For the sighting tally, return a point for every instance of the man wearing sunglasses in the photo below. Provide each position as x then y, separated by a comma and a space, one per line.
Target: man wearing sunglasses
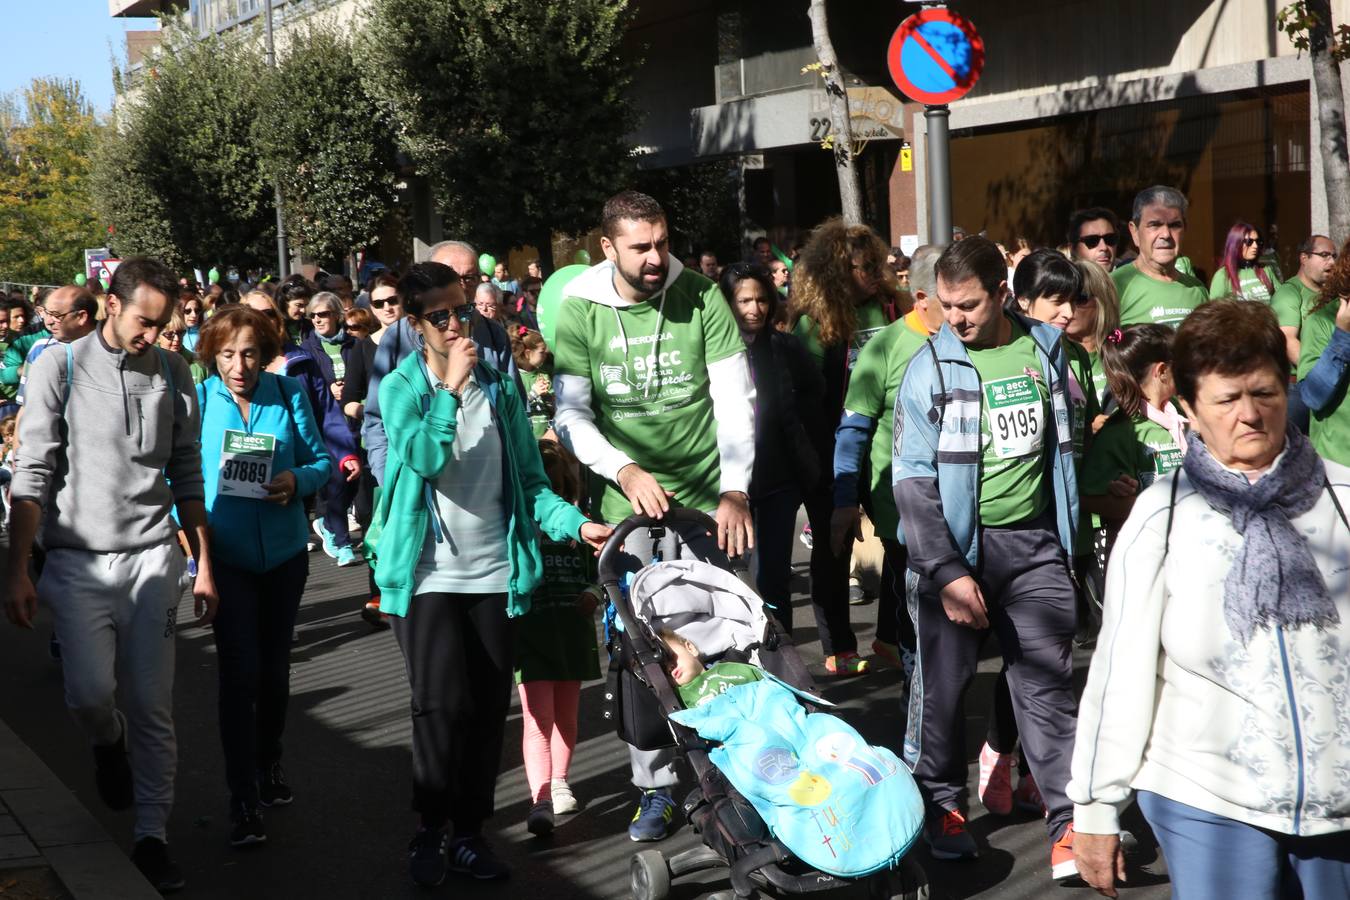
494, 348
1094, 234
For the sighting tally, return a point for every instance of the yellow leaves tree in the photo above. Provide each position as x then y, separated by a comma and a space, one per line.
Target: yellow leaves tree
48, 133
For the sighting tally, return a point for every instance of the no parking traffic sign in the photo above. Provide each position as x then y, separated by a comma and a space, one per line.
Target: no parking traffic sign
936, 56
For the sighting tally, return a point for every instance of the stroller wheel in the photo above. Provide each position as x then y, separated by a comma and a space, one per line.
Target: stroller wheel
649, 875
908, 881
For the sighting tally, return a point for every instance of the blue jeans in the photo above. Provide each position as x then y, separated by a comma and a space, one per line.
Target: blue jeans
1214, 858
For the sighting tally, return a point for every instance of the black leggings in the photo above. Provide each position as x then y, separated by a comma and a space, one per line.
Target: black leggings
458, 650
829, 579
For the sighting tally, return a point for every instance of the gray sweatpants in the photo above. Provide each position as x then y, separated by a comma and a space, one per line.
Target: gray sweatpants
1024, 577
656, 768
115, 615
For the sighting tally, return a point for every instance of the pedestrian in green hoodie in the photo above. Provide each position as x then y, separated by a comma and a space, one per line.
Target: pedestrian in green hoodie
456, 541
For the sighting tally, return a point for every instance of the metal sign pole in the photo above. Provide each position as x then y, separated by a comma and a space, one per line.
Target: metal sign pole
283, 257
939, 175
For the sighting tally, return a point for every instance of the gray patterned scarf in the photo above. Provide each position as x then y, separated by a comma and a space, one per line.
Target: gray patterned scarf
1274, 580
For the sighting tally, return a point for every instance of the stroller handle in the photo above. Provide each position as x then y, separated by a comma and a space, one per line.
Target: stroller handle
687, 523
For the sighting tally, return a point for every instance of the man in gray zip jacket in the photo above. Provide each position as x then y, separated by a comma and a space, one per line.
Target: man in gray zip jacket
104, 491
988, 499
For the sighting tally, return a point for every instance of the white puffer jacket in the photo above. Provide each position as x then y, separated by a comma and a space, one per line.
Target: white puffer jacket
1175, 705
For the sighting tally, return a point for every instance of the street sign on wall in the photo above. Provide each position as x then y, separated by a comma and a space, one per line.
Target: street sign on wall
936, 56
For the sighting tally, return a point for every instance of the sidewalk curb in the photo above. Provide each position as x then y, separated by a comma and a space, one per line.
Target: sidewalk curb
57, 831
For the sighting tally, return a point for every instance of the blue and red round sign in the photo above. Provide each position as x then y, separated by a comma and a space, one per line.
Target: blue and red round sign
936, 56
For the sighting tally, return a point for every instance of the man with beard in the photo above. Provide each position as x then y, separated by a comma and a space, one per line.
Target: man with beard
654, 395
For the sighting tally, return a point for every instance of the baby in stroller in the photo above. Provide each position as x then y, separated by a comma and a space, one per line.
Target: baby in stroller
787, 795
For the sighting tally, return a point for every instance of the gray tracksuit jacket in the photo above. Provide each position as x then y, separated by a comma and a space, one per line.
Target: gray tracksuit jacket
108, 444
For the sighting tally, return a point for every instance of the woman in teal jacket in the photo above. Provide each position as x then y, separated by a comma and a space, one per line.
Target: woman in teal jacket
456, 541
262, 452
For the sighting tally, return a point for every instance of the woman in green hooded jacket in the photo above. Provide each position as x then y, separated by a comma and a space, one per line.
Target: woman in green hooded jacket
456, 540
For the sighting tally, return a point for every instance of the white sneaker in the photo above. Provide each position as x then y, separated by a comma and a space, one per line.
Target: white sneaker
564, 801
352, 524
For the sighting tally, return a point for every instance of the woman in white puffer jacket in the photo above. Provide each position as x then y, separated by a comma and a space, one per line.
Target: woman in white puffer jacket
1219, 692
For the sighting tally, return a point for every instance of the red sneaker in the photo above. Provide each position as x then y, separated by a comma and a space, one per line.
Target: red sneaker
1027, 797
995, 789
1062, 862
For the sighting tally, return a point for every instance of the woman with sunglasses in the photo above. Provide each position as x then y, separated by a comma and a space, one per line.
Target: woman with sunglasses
456, 536
1241, 275
332, 348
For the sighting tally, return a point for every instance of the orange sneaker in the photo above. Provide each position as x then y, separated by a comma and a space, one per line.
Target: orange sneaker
1062, 863
948, 838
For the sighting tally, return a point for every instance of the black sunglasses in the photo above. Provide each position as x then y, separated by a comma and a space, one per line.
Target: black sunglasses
440, 318
381, 304
1091, 241
1247, 242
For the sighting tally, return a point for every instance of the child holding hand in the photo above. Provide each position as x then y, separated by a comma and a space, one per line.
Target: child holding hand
555, 651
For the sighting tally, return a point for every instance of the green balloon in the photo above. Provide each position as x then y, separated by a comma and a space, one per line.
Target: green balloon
81, 279
582, 257
786, 260
104, 282
487, 264
213, 277
551, 300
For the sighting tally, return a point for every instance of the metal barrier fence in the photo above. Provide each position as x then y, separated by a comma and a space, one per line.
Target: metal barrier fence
7, 286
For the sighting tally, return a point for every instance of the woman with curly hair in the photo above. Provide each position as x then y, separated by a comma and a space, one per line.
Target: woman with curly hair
1241, 275
845, 294
1324, 363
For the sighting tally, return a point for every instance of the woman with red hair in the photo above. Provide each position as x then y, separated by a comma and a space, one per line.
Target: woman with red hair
1241, 276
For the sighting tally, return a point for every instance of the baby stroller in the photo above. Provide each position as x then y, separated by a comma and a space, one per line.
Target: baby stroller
642, 697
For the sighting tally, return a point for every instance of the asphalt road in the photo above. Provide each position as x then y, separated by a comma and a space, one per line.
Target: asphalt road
347, 755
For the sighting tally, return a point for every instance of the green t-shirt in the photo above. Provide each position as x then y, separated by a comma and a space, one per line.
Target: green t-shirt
715, 681
1292, 302
539, 399
199, 372
871, 320
1144, 299
871, 392
649, 391
1014, 418
555, 640
334, 352
7, 391
1253, 288
1137, 447
1330, 431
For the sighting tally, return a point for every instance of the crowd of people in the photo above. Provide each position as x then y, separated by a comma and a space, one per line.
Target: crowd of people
1075, 446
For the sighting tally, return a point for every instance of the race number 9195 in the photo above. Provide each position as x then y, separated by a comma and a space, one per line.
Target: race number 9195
1019, 423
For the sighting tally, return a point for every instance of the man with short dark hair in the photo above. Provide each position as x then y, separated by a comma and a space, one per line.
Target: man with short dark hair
985, 485
708, 265
1153, 288
762, 252
654, 396
1094, 234
108, 488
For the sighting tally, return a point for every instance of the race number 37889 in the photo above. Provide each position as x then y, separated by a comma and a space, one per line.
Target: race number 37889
245, 464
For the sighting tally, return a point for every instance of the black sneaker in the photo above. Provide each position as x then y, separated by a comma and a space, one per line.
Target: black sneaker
426, 857
112, 773
272, 787
151, 856
473, 856
248, 830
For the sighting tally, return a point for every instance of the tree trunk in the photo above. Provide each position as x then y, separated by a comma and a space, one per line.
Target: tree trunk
1331, 119
543, 242
841, 128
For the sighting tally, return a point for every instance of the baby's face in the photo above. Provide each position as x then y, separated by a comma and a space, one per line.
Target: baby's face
686, 666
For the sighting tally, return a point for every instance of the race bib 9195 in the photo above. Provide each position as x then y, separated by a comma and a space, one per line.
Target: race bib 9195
245, 464
1016, 409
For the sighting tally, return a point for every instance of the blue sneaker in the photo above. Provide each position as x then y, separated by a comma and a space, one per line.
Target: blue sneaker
347, 556
652, 820
325, 538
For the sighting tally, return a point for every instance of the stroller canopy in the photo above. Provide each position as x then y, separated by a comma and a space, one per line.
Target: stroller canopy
707, 605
